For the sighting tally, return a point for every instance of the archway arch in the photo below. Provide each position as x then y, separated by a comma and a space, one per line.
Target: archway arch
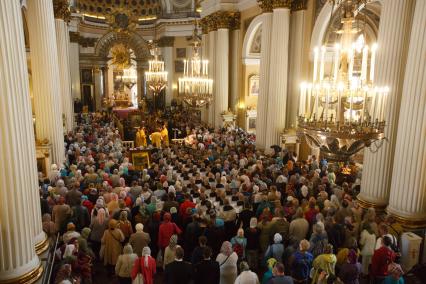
253, 33
134, 41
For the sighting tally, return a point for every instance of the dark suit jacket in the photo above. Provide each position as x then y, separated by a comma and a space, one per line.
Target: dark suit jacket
178, 272
207, 272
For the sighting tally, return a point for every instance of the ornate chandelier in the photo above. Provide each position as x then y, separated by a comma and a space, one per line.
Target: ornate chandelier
195, 87
156, 77
343, 111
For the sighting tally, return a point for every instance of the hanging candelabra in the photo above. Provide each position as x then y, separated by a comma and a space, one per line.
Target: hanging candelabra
343, 111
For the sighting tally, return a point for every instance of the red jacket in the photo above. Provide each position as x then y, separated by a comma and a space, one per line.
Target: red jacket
380, 261
166, 230
184, 207
147, 272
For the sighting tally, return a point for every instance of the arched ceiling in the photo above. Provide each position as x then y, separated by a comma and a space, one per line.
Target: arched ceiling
140, 8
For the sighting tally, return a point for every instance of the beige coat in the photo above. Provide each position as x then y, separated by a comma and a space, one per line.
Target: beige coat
124, 265
138, 241
111, 246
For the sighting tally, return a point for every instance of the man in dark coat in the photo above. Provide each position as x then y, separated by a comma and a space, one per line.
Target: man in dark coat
207, 271
178, 271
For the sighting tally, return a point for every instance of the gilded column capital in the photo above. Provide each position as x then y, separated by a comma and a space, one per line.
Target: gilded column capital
166, 41
266, 5
297, 5
235, 20
211, 22
225, 20
61, 10
281, 4
204, 25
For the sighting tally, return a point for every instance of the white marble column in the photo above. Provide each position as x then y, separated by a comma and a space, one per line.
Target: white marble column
74, 60
299, 44
222, 75
407, 200
110, 80
212, 72
62, 42
277, 96
393, 40
167, 52
99, 90
45, 72
205, 55
262, 102
140, 71
235, 70
19, 202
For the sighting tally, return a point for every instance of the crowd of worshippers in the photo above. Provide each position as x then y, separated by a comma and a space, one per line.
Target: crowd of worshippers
221, 212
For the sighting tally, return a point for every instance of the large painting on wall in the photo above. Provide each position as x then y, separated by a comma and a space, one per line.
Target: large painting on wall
86, 76
253, 85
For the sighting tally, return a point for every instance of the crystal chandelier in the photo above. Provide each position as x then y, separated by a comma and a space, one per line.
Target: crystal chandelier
156, 77
195, 87
343, 111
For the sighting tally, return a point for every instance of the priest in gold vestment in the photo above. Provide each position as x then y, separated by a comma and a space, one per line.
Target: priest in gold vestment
141, 138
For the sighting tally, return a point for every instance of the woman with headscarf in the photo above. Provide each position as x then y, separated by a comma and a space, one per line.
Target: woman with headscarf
111, 243
270, 263
98, 226
125, 226
166, 230
146, 266
276, 249
227, 260
239, 244
48, 225
367, 242
252, 249
349, 272
170, 251
123, 268
246, 276
324, 262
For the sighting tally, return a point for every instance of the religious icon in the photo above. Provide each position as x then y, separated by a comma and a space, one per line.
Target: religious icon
254, 85
252, 123
180, 52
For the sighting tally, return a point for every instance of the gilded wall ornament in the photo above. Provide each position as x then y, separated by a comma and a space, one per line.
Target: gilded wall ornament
297, 5
61, 10
121, 56
266, 5
221, 20
281, 4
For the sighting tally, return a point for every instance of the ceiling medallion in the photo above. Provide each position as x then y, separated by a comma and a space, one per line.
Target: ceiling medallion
122, 20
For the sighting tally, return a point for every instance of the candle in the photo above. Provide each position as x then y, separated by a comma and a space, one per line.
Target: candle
339, 102
315, 63
373, 61
351, 106
322, 63
309, 101
364, 64
351, 63
336, 61
364, 105
302, 99
326, 102
316, 104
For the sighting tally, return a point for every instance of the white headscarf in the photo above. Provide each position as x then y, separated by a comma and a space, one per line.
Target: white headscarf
146, 253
